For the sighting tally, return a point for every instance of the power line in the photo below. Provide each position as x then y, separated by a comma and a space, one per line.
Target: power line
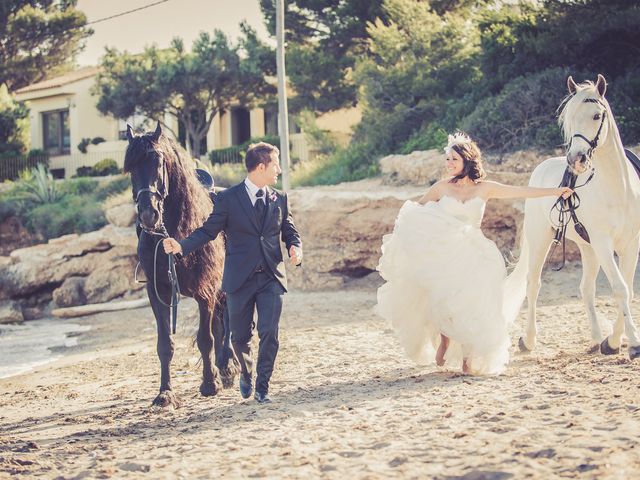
126, 13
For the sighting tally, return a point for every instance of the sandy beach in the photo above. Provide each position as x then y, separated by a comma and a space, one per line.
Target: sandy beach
347, 403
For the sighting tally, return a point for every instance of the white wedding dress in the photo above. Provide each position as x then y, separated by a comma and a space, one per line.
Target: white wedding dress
444, 276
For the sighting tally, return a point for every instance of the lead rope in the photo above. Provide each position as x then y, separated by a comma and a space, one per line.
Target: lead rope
171, 273
566, 209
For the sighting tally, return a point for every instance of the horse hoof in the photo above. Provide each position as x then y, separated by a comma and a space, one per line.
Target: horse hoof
211, 388
228, 376
523, 347
606, 349
634, 352
166, 399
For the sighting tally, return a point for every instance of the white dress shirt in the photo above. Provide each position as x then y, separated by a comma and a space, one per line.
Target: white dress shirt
252, 189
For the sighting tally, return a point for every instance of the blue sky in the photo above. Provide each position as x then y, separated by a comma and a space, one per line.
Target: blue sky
160, 23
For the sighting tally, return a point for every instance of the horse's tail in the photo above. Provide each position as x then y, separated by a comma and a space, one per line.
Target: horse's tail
516, 283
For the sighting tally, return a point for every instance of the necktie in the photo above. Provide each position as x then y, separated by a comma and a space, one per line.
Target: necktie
260, 206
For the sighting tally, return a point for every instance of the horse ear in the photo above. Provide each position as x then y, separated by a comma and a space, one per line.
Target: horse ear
129, 133
601, 85
158, 132
571, 85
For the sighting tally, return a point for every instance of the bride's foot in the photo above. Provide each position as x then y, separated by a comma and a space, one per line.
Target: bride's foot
442, 349
466, 369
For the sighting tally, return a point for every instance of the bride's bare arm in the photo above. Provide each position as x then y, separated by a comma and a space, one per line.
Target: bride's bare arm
500, 190
433, 194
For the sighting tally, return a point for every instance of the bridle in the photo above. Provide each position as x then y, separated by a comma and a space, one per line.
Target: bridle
593, 144
160, 231
566, 208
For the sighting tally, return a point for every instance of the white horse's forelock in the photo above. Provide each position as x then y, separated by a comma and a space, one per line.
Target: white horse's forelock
570, 104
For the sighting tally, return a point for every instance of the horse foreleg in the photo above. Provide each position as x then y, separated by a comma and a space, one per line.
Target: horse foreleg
165, 349
590, 268
604, 251
211, 383
225, 358
628, 262
538, 249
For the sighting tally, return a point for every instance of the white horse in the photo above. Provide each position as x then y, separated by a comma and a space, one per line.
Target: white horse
609, 209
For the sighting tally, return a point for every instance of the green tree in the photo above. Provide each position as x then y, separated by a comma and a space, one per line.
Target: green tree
14, 126
324, 40
38, 38
191, 86
420, 62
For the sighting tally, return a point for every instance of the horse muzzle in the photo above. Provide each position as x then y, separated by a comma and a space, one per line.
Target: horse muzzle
578, 163
149, 218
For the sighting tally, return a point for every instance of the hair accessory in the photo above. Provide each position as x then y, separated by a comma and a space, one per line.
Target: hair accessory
458, 138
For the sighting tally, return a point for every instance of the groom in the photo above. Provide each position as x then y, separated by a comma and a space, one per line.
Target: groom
253, 217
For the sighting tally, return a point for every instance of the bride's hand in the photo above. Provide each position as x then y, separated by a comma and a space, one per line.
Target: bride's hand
565, 192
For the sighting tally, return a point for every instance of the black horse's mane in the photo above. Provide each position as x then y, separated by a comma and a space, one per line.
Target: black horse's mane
186, 206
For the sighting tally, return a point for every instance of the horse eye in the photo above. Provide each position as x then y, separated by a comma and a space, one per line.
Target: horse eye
597, 116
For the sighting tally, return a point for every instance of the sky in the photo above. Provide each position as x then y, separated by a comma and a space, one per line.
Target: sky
160, 23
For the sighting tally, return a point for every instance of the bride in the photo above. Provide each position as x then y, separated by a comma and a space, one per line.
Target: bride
445, 281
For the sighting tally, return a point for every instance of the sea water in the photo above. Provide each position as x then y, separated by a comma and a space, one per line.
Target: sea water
33, 343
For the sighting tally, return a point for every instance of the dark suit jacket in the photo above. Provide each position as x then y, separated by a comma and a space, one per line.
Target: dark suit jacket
247, 245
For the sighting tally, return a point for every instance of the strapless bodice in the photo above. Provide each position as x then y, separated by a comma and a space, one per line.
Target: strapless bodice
469, 211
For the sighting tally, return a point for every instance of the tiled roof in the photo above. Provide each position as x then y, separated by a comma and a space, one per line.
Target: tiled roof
65, 79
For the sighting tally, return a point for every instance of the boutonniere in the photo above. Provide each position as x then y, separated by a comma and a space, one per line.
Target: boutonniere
272, 196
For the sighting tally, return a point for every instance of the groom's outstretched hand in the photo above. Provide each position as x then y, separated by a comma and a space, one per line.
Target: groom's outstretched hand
296, 255
170, 245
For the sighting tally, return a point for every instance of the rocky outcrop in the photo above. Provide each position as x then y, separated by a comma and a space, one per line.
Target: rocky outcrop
96, 266
10, 312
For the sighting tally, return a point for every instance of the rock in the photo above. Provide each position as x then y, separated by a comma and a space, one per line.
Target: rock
70, 293
341, 228
46, 266
121, 215
113, 278
419, 167
13, 235
10, 312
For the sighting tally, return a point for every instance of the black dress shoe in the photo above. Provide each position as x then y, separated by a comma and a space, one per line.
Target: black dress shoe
262, 397
246, 386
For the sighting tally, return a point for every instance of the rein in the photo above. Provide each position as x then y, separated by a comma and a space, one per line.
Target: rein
161, 231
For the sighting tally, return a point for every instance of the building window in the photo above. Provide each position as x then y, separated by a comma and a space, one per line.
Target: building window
240, 125
271, 122
57, 139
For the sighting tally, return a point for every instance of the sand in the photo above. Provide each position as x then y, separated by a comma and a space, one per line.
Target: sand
347, 403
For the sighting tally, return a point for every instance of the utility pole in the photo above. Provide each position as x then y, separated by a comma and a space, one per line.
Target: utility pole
283, 112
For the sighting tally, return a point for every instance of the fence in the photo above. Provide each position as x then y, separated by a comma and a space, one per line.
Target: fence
298, 149
61, 166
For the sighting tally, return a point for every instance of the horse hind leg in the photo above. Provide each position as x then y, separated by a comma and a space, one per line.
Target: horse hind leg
225, 358
628, 262
211, 383
611, 344
590, 269
538, 246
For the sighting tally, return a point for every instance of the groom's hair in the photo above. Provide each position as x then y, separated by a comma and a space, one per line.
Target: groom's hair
259, 153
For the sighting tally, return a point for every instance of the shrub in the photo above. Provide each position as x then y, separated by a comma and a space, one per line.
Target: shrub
228, 174
79, 186
522, 115
72, 214
112, 186
235, 153
106, 166
433, 136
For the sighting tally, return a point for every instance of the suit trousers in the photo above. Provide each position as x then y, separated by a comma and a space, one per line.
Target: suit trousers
261, 292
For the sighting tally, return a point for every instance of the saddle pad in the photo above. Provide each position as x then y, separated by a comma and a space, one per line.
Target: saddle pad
633, 158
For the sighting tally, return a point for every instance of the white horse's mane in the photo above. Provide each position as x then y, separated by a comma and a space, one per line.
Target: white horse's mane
572, 102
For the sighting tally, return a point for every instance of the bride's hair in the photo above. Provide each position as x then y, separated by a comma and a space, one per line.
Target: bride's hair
471, 155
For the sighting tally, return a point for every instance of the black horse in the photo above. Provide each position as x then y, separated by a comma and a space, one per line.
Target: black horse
171, 201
